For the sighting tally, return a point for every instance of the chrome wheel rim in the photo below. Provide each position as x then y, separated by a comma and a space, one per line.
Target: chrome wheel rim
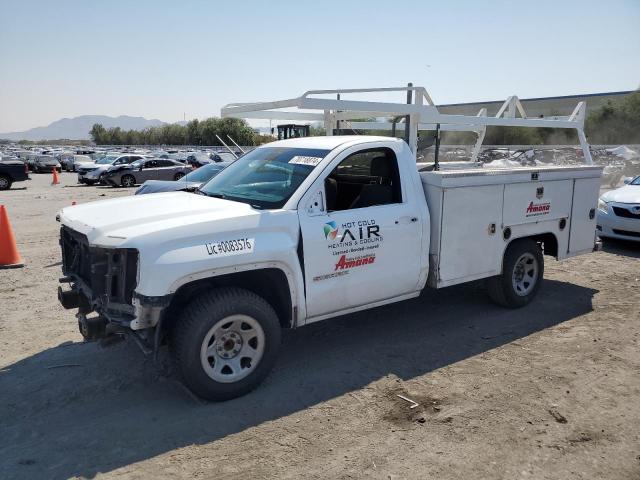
4, 183
127, 182
232, 348
525, 274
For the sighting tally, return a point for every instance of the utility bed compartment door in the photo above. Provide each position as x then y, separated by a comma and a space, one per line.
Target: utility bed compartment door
532, 202
583, 215
470, 232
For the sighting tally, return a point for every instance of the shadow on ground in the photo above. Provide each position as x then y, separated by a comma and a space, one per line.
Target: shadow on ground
621, 247
78, 409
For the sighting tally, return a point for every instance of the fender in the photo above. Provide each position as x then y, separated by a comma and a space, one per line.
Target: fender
294, 278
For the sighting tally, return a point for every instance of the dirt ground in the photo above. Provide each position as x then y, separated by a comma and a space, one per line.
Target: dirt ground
551, 391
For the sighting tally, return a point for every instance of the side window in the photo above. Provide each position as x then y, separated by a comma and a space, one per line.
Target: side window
364, 179
165, 163
151, 164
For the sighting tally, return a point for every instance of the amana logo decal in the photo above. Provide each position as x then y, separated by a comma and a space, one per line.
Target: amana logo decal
535, 209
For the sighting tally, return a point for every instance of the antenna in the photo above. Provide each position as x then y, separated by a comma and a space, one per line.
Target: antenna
222, 142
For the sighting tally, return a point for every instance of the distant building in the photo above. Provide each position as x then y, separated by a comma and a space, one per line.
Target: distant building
536, 107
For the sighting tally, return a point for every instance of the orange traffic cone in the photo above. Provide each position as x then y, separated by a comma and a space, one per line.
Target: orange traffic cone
9, 256
55, 181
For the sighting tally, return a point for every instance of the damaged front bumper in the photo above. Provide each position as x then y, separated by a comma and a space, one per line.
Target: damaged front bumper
103, 280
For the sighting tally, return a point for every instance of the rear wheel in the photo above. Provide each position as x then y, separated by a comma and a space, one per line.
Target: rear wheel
522, 273
225, 343
128, 181
178, 176
5, 182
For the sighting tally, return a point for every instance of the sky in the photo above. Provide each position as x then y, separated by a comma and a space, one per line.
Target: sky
186, 59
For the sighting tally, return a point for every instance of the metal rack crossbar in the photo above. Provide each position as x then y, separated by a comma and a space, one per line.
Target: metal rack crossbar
420, 111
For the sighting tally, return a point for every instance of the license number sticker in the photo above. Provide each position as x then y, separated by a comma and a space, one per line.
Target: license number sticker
225, 248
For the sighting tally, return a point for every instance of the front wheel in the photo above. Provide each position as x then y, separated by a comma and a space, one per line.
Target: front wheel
128, 181
5, 182
522, 273
225, 343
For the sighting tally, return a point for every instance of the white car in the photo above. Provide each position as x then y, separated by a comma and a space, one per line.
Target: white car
91, 173
619, 212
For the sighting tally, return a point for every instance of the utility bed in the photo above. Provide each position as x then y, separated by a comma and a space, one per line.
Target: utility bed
474, 213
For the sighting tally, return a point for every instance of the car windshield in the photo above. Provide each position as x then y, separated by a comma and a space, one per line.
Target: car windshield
265, 177
203, 174
226, 156
635, 181
107, 159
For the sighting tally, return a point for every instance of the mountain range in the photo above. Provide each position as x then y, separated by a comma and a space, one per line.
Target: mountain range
78, 128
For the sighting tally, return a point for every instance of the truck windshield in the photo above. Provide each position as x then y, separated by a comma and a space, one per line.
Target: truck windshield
265, 177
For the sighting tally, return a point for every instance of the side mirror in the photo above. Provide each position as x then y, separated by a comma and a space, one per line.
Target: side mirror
141, 167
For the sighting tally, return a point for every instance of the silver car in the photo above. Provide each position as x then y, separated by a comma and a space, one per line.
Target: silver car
146, 169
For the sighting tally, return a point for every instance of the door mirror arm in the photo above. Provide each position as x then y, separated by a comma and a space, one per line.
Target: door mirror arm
316, 204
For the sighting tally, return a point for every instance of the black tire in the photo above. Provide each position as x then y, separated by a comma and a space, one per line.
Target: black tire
125, 179
178, 176
90, 182
5, 182
196, 322
526, 255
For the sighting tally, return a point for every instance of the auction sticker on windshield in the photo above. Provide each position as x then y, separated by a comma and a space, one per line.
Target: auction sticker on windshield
302, 160
225, 248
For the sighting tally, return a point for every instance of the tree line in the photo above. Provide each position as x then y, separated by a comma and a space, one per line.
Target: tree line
195, 132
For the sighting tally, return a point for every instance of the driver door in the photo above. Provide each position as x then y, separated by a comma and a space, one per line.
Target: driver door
359, 250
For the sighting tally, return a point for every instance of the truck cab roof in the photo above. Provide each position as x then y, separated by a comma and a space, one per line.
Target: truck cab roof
328, 143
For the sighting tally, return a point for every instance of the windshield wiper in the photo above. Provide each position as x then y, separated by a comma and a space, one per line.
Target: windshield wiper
215, 195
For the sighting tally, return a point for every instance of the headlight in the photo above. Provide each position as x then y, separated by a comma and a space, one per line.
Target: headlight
603, 206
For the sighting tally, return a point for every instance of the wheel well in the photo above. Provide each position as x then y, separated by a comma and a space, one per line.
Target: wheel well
269, 283
547, 241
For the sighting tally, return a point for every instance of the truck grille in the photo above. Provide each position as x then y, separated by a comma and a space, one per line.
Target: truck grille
110, 274
626, 213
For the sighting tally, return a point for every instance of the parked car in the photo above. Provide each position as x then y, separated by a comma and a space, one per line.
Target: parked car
91, 173
72, 162
12, 171
45, 163
189, 183
619, 212
145, 169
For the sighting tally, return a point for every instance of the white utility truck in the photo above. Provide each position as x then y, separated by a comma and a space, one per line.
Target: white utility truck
306, 229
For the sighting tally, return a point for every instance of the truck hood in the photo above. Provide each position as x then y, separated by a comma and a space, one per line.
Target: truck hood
126, 221
626, 194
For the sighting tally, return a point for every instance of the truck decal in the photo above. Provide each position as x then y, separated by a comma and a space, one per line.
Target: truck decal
535, 209
351, 234
346, 263
225, 248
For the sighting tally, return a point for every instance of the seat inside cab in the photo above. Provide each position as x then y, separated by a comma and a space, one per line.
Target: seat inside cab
364, 179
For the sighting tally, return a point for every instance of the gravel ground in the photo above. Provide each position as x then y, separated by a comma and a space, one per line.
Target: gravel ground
551, 391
